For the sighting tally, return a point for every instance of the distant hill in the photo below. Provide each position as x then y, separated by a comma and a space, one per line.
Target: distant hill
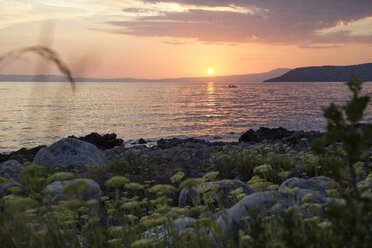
56, 78
257, 77
325, 74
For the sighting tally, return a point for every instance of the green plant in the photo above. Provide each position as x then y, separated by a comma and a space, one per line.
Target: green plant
343, 126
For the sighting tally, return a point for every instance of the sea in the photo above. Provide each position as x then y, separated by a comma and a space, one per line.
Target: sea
40, 113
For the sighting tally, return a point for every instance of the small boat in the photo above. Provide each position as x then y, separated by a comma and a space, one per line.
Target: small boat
232, 86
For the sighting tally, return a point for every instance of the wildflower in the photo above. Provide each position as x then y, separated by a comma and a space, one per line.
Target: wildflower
273, 187
312, 219
114, 242
206, 222
134, 186
104, 198
258, 183
60, 176
325, 224
284, 174
3, 179
276, 207
290, 190
83, 209
237, 191
75, 187
142, 243
315, 206
131, 217
115, 230
16, 203
162, 189
210, 176
14, 189
111, 212
241, 196
92, 202
117, 181
307, 197
131, 205
195, 211
161, 201
262, 169
190, 183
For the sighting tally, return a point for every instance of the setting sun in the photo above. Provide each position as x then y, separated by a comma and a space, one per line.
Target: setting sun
210, 71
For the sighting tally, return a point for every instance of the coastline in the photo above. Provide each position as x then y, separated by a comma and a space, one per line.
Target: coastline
111, 141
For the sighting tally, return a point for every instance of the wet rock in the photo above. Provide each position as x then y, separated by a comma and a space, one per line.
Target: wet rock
275, 135
265, 134
222, 188
301, 138
22, 155
168, 143
103, 142
11, 169
141, 141
69, 153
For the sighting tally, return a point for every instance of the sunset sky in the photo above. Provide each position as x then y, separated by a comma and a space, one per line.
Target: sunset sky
176, 38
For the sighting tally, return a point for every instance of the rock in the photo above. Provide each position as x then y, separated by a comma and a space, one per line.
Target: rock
115, 154
316, 184
141, 141
22, 155
263, 203
103, 142
264, 134
274, 135
11, 183
92, 192
168, 143
180, 225
11, 169
223, 189
70, 152
301, 138
326, 182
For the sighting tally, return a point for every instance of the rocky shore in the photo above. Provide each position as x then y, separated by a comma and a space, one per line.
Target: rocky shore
95, 159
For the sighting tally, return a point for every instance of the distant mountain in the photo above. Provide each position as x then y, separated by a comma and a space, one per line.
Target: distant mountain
56, 78
257, 77
325, 74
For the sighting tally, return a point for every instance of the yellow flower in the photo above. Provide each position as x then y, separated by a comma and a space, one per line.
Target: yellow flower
117, 181
210, 176
177, 177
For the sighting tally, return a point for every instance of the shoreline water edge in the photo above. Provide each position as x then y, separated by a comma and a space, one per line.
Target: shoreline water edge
296, 139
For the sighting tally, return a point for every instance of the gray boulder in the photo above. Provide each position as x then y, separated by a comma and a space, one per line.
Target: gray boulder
222, 188
316, 184
263, 202
93, 191
70, 152
11, 183
179, 224
11, 169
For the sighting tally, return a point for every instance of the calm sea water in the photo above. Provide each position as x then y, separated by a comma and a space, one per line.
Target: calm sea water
38, 113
